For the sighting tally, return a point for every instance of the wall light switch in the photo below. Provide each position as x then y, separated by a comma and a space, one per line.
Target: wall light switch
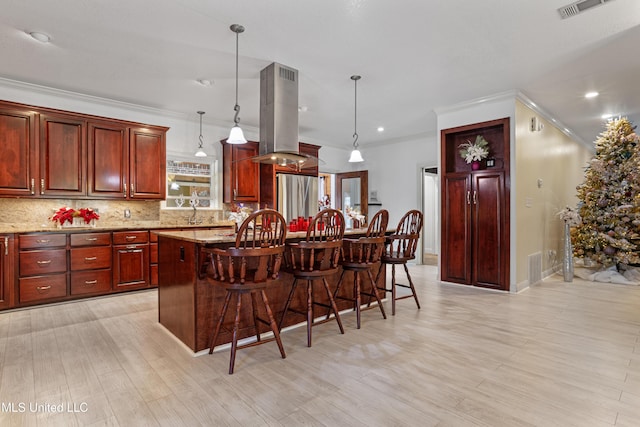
127, 213
540, 183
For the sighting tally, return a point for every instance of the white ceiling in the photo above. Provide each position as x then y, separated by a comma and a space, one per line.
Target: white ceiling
414, 56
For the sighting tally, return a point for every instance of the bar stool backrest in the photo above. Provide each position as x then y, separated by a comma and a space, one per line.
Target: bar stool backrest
327, 225
403, 243
378, 225
262, 229
257, 255
323, 245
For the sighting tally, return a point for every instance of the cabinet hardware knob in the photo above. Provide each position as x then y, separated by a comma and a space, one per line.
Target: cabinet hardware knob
90, 258
41, 185
131, 190
43, 288
90, 282
45, 262
33, 186
475, 197
91, 239
6, 246
125, 189
468, 197
43, 240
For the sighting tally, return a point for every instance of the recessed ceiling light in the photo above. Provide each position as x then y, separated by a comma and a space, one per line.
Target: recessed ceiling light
205, 82
591, 94
380, 129
41, 37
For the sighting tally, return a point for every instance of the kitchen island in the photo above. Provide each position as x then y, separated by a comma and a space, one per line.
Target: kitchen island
189, 301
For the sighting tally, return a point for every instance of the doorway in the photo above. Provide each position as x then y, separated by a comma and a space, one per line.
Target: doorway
430, 192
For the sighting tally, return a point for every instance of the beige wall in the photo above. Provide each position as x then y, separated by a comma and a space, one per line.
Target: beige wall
558, 161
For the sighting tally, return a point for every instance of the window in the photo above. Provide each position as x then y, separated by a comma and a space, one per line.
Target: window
191, 183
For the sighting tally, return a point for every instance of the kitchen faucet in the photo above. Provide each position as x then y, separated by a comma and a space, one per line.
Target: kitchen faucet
193, 220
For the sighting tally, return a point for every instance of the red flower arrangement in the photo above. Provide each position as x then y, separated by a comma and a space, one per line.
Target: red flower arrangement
65, 214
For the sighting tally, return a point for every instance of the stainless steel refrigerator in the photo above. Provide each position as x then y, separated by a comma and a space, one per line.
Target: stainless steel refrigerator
297, 195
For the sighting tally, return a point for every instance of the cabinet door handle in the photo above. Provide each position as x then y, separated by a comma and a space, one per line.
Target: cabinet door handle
128, 251
6, 246
43, 288
235, 193
468, 197
91, 239
475, 197
33, 186
45, 262
125, 189
130, 238
41, 185
43, 241
90, 258
90, 282
131, 190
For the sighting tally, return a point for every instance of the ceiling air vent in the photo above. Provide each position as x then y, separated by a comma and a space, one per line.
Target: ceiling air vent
578, 7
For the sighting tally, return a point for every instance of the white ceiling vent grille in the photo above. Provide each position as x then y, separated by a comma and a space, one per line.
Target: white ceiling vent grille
580, 6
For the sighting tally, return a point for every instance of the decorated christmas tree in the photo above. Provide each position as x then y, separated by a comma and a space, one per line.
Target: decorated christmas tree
610, 199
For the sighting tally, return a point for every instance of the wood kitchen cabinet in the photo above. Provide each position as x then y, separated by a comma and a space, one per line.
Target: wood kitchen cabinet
241, 176
62, 156
6, 271
51, 153
90, 263
18, 151
130, 260
126, 162
475, 209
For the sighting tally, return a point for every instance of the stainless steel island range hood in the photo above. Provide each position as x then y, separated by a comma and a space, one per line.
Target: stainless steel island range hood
279, 118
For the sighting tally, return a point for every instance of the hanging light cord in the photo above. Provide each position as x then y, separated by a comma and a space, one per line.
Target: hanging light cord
238, 29
355, 111
200, 137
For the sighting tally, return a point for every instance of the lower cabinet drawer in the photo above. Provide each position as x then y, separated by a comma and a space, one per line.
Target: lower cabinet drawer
91, 258
35, 263
43, 287
89, 282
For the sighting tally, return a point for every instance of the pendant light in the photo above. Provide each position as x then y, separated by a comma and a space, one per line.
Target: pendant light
355, 154
236, 136
200, 152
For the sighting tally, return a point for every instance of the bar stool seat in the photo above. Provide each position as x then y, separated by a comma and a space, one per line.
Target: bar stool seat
249, 268
315, 258
401, 248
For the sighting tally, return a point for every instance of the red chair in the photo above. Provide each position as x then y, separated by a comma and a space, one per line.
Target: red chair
316, 258
248, 268
400, 248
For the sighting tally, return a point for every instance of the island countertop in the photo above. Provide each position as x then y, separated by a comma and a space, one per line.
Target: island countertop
224, 236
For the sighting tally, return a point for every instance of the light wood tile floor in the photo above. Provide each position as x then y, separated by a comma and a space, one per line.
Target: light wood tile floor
558, 354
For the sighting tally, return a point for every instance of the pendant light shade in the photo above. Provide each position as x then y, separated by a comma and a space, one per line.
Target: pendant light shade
200, 152
236, 136
355, 154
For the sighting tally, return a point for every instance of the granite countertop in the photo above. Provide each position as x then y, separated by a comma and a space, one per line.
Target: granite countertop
123, 226
220, 236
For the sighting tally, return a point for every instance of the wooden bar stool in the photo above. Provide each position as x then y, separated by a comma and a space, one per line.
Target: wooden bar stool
400, 248
248, 268
316, 258
359, 256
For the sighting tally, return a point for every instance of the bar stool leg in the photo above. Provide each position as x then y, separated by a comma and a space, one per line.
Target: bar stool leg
288, 303
393, 289
272, 323
234, 335
357, 298
214, 337
309, 310
374, 291
333, 305
413, 289
254, 310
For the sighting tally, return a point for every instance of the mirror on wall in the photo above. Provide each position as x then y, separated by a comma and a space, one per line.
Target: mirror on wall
352, 190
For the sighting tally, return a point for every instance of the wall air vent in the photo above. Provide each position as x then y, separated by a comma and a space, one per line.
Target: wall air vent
580, 6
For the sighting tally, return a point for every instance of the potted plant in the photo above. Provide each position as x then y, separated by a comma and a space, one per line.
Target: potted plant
78, 218
474, 152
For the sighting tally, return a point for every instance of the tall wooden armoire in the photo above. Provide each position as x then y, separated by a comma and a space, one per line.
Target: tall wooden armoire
475, 208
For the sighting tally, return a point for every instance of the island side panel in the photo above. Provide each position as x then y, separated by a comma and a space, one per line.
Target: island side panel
176, 288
